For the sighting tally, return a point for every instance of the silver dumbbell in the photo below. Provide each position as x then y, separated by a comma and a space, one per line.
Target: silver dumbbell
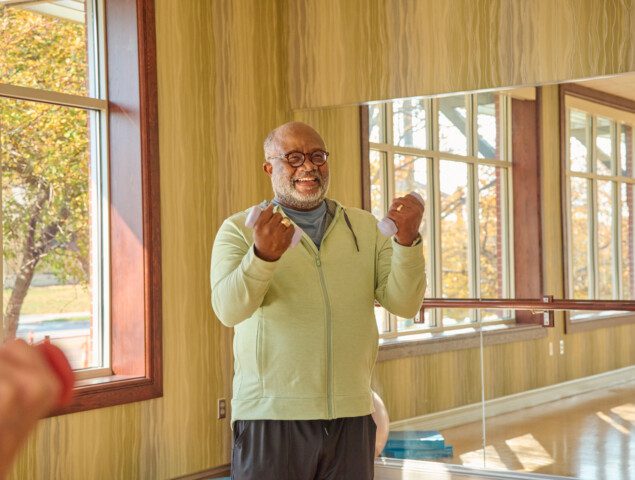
387, 227
254, 214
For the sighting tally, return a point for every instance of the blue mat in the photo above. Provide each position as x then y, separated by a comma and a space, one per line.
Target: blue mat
417, 445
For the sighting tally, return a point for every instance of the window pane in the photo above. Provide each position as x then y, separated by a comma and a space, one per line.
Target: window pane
580, 239
628, 243
454, 235
579, 141
381, 317
377, 123
606, 252
604, 143
412, 324
626, 149
496, 315
411, 174
456, 316
409, 123
491, 231
488, 123
46, 172
453, 125
44, 46
377, 183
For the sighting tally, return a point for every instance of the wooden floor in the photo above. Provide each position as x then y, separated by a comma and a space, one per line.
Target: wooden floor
590, 436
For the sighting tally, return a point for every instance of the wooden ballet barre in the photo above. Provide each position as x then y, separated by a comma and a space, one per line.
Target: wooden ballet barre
545, 306
537, 305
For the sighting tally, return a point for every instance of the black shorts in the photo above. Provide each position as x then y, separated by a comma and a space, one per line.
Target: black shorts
340, 449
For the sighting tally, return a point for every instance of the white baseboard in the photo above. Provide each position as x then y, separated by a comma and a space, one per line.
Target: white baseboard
393, 469
531, 398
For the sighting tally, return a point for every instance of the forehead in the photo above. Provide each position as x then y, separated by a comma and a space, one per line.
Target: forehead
299, 138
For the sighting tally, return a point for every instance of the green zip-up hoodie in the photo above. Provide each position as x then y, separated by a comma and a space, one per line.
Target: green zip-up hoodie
305, 337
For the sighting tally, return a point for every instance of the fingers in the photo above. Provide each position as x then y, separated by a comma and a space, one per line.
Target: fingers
272, 234
30, 386
407, 201
265, 216
271, 217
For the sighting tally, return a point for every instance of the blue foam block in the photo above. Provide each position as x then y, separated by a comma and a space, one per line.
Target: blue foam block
416, 454
416, 439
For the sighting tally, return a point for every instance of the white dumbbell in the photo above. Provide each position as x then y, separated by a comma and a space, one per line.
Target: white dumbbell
387, 227
254, 214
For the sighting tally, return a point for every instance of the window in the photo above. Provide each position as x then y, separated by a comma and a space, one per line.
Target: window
599, 204
78, 145
455, 152
54, 184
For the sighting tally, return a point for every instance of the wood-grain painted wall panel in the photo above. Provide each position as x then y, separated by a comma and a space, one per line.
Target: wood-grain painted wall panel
362, 50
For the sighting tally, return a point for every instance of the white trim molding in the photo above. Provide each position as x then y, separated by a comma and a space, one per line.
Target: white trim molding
393, 469
531, 398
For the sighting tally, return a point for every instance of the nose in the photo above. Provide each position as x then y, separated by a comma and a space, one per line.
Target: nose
308, 165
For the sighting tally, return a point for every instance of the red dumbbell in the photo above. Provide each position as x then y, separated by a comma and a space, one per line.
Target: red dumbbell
59, 364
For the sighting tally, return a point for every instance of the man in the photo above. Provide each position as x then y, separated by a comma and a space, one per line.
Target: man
305, 334
29, 389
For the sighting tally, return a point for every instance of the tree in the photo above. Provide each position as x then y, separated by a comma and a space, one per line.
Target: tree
45, 154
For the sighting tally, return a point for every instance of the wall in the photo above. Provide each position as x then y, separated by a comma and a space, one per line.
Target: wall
359, 50
229, 71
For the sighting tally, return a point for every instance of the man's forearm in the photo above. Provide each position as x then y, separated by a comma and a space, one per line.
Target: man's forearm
401, 280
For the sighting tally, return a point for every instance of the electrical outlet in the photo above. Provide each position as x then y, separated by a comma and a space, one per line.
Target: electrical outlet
561, 347
551, 349
222, 408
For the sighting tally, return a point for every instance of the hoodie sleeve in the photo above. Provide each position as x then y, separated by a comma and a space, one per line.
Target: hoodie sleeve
239, 279
400, 278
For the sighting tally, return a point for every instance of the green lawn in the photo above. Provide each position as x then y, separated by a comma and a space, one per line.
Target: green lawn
53, 299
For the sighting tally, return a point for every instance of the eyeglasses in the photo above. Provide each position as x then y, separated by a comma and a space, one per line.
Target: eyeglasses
296, 159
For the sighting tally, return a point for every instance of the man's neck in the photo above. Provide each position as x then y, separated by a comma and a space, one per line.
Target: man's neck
299, 209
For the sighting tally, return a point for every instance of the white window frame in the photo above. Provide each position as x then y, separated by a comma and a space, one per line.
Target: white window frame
96, 105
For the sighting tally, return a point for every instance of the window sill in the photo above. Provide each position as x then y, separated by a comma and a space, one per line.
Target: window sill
596, 321
111, 390
429, 343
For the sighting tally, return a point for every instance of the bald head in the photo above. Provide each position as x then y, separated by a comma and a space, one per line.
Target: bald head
288, 133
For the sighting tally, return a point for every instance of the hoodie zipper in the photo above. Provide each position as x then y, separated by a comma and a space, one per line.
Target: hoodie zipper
329, 326
329, 338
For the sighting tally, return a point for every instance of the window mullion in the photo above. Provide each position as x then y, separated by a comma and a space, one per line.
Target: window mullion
508, 195
436, 198
473, 199
615, 213
56, 98
594, 283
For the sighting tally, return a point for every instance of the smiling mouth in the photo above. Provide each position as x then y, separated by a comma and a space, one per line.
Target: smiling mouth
307, 182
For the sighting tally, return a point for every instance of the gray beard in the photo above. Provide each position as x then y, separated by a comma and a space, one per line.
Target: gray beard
287, 194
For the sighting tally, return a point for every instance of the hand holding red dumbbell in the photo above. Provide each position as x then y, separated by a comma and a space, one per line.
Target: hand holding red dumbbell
33, 381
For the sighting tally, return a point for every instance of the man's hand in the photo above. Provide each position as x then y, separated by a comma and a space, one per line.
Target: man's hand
407, 213
272, 235
29, 389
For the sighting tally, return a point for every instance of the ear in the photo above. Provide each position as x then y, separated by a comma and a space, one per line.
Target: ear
267, 168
